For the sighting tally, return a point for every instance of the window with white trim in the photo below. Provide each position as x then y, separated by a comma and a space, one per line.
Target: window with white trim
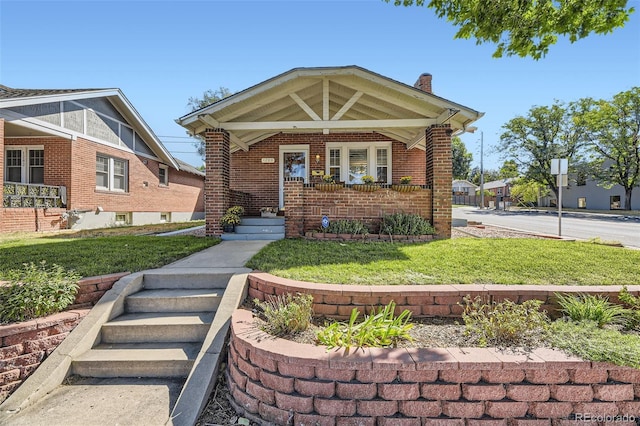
24, 164
349, 162
163, 175
165, 217
123, 218
112, 173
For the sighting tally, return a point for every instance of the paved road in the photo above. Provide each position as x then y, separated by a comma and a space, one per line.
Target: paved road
575, 225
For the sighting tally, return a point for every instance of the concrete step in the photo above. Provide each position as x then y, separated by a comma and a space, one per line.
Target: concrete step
174, 300
262, 221
249, 237
157, 327
137, 360
259, 229
183, 279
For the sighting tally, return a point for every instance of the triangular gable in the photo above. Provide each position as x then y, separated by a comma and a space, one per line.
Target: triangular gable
329, 100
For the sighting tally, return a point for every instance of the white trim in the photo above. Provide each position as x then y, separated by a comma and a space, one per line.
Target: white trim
34, 100
24, 160
111, 173
371, 148
166, 174
329, 124
306, 108
282, 150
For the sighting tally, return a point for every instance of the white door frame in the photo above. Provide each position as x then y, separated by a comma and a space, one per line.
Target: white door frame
283, 150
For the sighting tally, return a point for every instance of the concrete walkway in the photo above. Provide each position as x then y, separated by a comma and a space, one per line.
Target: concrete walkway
127, 401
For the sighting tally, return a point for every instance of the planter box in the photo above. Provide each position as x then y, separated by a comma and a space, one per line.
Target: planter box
405, 187
365, 187
328, 187
268, 214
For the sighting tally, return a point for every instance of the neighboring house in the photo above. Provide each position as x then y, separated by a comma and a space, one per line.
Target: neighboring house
499, 188
464, 187
267, 145
584, 193
85, 158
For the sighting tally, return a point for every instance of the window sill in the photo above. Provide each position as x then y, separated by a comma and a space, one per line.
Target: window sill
107, 192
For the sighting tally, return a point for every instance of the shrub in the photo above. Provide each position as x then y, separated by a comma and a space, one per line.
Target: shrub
286, 314
505, 323
382, 329
236, 210
633, 303
36, 291
230, 219
406, 224
587, 307
347, 226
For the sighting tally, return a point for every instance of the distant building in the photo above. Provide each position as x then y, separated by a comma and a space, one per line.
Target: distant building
464, 187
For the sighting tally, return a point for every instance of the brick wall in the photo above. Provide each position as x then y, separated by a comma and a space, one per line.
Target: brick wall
250, 175
218, 196
24, 345
337, 301
440, 176
1, 167
31, 219
275, 380
306, 205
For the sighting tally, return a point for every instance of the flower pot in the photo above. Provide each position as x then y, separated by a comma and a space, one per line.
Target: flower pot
328, 187
365, 187
228, 228
405, 187
268, 214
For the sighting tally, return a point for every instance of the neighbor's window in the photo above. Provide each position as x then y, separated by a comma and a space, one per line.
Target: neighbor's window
165, 217
36, 166
13, 163
24, 164
123, 219
111, 173
582, 202
163, 175
615, 202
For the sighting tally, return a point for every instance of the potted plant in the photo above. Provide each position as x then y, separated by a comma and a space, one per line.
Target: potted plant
229, 221
405, 185
269, 211
237, 210
367, 184
328, 184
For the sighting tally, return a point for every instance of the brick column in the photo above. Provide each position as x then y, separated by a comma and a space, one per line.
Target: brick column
439, 177
2, 171
293, 207
217, 195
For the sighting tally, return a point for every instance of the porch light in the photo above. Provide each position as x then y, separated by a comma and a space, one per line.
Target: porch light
317, 158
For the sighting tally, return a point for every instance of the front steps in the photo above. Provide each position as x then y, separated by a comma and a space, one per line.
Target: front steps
257, 228
161, 330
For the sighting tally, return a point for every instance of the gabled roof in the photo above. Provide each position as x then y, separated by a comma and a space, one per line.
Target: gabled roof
10, 97
465, 183
189, 168
501, 183
329, 99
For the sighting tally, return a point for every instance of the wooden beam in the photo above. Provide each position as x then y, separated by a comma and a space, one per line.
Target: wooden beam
207, 119
347, 106
325, 103
419, 138
446, 115
340, 124
236, 140
302, 104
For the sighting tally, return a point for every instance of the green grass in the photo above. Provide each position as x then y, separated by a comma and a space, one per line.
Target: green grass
454, 261
99, 255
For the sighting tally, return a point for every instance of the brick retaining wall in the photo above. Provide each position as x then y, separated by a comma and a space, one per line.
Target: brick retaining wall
280, 381
24, 345
337, 300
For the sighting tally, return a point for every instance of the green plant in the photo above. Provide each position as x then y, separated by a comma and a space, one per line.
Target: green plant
368, 179
381, 329
633, 303
327, 179
505, 323
405, 180
36, 291
237, 210
286, 313
405, 224
346, 226
229, 219
587, 307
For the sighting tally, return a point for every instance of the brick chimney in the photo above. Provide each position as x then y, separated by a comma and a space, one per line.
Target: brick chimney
424, 82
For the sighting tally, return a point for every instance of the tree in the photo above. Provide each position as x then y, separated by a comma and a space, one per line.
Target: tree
208, 97
489, 175
545, 133
526, 192
461, 159
527, 27
613, 131
509, 169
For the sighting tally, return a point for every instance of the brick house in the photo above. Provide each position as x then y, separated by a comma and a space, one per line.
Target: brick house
85, 158
270, 144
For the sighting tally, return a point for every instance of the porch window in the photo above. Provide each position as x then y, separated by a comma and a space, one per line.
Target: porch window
111, 173
163, 175
349, 162
24, 164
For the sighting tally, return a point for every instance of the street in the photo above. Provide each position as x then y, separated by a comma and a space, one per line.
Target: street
574, 224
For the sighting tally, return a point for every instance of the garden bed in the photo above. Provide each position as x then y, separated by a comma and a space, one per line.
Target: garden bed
324, 236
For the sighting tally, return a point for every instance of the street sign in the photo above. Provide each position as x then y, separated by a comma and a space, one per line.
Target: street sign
559, 166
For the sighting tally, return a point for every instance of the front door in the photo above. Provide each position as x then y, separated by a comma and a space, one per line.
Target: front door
294, 162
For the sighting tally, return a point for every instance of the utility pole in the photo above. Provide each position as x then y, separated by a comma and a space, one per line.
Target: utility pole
482, 170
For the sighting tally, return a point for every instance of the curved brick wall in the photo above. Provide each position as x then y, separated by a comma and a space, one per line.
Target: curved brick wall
337, 300
24, 345
280, 381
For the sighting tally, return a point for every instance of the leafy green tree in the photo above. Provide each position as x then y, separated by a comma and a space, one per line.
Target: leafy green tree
527, 192
509, 169
489, 175
543, 134
208, 97
613, 131
527, 27
461, 159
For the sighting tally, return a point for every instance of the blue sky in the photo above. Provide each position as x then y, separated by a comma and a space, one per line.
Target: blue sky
160, 53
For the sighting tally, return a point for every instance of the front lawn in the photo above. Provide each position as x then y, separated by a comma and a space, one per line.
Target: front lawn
99, 255
454, 261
